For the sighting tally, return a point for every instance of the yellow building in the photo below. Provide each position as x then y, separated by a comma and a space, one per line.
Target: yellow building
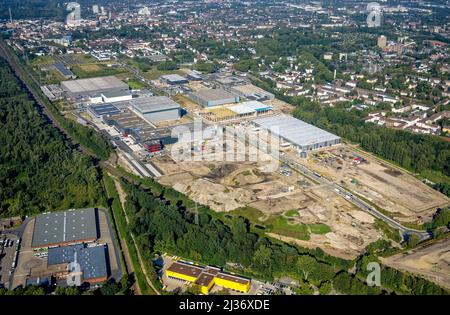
206, 278
232, 282
183, 271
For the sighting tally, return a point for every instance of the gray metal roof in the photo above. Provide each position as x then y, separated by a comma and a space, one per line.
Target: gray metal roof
92, 259
118, 93
64, 227
213, 94
294, 130
91, 85
173, 78
153, 104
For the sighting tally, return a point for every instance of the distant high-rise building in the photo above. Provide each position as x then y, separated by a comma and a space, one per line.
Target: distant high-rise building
74, 17
382, 41
95, 9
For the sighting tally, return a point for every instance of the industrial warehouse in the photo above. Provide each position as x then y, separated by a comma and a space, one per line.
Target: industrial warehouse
67, 248
300, 135
91, 260
92, 87
153, 109
252, 92
206, 277
62, 228
173, 79
157, 108
213, 97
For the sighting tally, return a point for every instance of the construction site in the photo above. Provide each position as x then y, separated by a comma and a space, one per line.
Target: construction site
401, 195
290, 206
430, 261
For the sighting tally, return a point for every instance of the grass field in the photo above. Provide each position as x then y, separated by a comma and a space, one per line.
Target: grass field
249, 213
154, 73
319, 228
135, 84
291, 213
434, 176
282, 226
95, 70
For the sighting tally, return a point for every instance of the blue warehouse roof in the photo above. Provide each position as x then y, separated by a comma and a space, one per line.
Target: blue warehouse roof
92, 259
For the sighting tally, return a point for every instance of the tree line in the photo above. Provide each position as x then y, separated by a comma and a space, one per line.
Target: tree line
162, 222
39, 169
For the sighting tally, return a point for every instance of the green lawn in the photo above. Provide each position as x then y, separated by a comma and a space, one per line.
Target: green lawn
154, 73
319, 228
291, 213
280, 225
135, 84
95, 70
249, 213
434, 176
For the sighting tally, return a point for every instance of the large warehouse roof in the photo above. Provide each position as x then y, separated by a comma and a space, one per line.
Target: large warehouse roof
70, 226
153, 104
213, 94
174, 78
294, 130
90, 85
92, 259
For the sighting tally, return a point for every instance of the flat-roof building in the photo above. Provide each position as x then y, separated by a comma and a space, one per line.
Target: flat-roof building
206, 277
101, 110
213, 97
85, 88
116, 96
64, 71
173, 79
250, 108
193, 76
299, 134
156, 108
66, 227
91, 259
252, 92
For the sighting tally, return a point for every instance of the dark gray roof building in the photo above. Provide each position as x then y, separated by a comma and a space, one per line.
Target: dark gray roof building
103, 109
67, 227
92, 260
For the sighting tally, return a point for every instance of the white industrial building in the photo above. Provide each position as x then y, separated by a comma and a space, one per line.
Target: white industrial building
298, 134
93, 87
156, 108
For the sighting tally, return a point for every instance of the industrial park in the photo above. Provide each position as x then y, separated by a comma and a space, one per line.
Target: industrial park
199, 120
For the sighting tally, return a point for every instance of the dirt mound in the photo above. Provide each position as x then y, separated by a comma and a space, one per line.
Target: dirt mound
221, 171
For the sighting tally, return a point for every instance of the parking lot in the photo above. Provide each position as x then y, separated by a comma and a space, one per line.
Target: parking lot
8, 249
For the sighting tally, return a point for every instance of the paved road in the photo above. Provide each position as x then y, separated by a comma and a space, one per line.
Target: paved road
423, 235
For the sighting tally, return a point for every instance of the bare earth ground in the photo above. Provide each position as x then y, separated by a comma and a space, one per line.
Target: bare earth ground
432, 262
226, 186
407, 198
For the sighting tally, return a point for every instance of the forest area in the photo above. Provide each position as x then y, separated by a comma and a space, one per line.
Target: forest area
163, 222
39, 168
